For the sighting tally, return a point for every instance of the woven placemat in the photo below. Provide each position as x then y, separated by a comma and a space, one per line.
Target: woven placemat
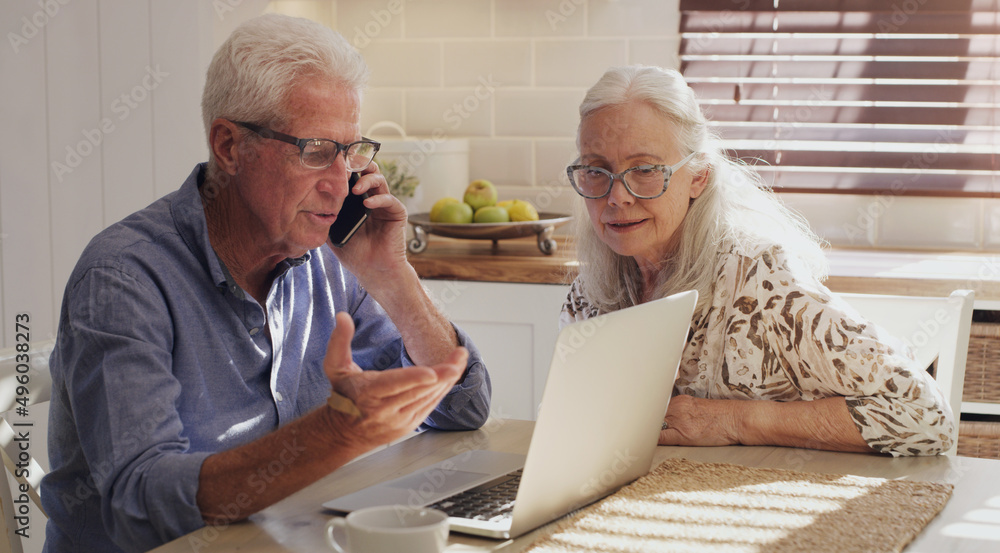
683, 505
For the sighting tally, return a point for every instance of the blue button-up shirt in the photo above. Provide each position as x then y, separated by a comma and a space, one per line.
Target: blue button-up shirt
162, 360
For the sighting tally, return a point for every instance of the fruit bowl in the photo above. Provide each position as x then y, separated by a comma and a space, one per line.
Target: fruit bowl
543, 228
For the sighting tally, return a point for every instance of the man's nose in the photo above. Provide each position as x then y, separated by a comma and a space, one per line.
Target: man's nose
334, 179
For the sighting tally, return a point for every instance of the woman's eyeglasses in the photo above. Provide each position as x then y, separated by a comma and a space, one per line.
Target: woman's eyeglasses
643, 181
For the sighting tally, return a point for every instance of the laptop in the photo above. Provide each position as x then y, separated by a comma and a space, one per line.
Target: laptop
605, 397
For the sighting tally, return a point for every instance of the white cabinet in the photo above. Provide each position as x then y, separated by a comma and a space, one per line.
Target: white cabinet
515, 327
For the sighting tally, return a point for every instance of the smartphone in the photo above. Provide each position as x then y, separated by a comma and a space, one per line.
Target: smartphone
352, 214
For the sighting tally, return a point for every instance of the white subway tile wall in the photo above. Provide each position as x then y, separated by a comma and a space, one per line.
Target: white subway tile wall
506, 62
453, 112
503, 161
991, 224
444, 19
541, 18
510, 74
363, 21
577, 63
552, 158
540, 113
404, 64
945, 223
381, 104
630, 18
662, 52
841, 219
900, 222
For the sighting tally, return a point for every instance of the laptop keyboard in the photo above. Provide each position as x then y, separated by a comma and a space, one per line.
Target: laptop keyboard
492, 501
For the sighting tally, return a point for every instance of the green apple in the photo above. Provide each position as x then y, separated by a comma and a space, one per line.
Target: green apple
480, 193
438, 205
491, 214
460, 213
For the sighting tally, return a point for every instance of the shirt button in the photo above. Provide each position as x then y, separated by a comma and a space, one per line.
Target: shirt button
278, 396
254, 330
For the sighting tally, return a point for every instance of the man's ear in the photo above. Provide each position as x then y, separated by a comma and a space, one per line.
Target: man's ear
223, 139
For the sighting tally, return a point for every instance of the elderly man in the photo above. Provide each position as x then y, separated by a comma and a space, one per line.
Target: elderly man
214, 353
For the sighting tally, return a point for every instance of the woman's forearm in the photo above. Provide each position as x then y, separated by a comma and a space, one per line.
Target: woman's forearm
818, 424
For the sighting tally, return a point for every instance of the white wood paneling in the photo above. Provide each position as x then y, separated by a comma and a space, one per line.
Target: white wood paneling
128, 81
75, 134
182, 47
101, 103
25, 225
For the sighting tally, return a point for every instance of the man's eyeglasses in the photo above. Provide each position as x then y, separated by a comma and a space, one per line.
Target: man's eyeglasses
320, 153
643, 181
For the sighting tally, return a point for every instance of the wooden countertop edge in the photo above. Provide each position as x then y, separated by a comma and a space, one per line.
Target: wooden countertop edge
521, 276
517, 260
520, 261
933, 286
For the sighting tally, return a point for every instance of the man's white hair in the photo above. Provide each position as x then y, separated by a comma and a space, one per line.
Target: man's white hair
253, 72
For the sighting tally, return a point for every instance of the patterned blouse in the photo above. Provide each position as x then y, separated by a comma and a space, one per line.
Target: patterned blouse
768, 335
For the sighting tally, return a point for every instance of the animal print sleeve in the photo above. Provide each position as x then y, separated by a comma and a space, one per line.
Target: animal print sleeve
827, 349
576, 307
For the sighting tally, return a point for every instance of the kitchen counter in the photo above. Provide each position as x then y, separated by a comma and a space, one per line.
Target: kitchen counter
916, 273
864, 271
512, 260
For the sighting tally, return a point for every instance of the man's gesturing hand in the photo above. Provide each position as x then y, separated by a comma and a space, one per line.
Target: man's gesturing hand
390, 403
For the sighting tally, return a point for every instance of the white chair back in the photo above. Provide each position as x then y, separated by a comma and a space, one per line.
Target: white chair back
936, 328
25, 388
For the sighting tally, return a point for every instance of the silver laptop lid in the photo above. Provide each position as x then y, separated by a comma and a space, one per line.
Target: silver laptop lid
605, 397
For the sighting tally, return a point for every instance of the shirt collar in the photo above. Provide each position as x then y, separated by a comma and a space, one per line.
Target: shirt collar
189, 217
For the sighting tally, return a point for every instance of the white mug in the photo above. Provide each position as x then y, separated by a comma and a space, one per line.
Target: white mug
390, 529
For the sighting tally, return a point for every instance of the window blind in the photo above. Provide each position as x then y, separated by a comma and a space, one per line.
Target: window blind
852, 96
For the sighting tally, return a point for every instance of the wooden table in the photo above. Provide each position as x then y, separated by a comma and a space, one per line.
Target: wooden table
296, 524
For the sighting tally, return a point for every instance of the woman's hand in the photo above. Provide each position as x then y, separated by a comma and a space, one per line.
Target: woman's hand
694, 421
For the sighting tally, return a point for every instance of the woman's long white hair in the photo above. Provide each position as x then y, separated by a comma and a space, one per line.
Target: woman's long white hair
736, 212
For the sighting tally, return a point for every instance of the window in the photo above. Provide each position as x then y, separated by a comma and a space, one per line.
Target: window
853, 96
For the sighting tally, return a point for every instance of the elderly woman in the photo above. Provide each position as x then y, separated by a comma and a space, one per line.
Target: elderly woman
666, 211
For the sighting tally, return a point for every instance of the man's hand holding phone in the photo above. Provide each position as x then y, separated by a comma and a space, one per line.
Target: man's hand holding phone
374, 223
352, 215
376, 255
